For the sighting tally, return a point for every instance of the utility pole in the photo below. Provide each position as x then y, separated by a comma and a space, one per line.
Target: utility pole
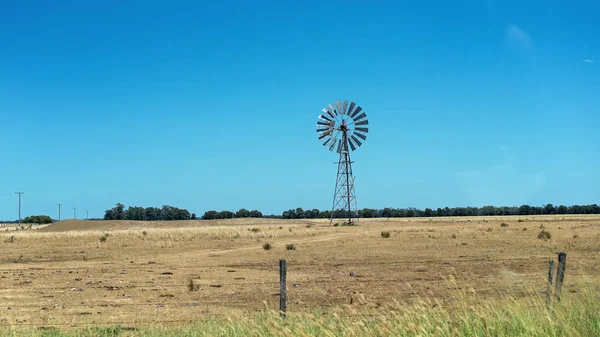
75, 212
59, 211
87, 215
19, 194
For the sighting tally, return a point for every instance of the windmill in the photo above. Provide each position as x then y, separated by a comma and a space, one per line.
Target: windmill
341, 125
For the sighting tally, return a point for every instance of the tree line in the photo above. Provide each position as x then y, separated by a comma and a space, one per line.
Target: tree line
388, 212
37, 219
242, 213
173, 213
149, 213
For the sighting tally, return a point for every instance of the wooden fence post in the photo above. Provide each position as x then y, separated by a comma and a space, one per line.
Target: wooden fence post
560, 274
282, 288
549, 290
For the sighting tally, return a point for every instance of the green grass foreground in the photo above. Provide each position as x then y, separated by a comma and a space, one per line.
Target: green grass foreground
577, 315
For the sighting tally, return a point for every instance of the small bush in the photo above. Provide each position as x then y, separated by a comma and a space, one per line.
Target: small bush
103, 237
255, 230
575, 236
454, 236
520, 220
385, 234
144, 233
309, 226
290, 246
267, 246
193, 285
544, 235
504, 224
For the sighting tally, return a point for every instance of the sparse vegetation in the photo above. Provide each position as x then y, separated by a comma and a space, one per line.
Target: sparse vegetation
103, 237
290, 246
267, 246
453, 236
504, 224
193, 285
255, 230
520, 220
576, 316
385, 234
544, 235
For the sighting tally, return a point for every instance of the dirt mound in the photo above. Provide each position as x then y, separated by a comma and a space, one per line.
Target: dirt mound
110, 225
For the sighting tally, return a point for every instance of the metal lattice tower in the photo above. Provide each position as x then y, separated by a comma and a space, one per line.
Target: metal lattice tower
341, 125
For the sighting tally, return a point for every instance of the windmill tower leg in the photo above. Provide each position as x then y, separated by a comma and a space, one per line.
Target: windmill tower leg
344, 198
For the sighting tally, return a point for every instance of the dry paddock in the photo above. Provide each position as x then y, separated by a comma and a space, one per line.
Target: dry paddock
75, 273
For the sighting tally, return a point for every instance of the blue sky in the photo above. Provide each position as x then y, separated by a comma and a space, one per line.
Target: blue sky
213, 105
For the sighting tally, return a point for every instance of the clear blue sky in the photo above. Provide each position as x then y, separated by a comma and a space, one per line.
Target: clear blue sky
213, 105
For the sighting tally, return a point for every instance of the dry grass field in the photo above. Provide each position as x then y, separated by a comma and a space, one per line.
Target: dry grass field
76, 273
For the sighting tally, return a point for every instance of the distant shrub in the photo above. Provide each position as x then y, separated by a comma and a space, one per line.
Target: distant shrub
504, 224
193, 285
544, 235
575, 236
520, 220
454, 236
385, 234
103, 237
290, 246
255, 230
267, 246
144, 233
309, 226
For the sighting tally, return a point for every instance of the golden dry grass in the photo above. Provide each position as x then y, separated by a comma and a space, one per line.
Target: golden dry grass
64, 274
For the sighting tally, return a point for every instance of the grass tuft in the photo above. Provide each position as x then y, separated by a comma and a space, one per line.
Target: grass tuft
267, 246
290, 246
544, 235
385, 234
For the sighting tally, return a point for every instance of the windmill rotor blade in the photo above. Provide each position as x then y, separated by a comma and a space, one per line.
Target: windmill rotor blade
345, 107
365, 122
332, 144
363, 137
339, 147
327, 141
324, 123
338, 105
325, 134
321, 130
365, 130
352, 105
358, 109
359, 117
351, 144
323, 117
329, 112
332, 110
356, 140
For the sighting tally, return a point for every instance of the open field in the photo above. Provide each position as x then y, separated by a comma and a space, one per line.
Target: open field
139, 272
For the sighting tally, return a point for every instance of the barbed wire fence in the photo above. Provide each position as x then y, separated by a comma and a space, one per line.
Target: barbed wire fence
180, 298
